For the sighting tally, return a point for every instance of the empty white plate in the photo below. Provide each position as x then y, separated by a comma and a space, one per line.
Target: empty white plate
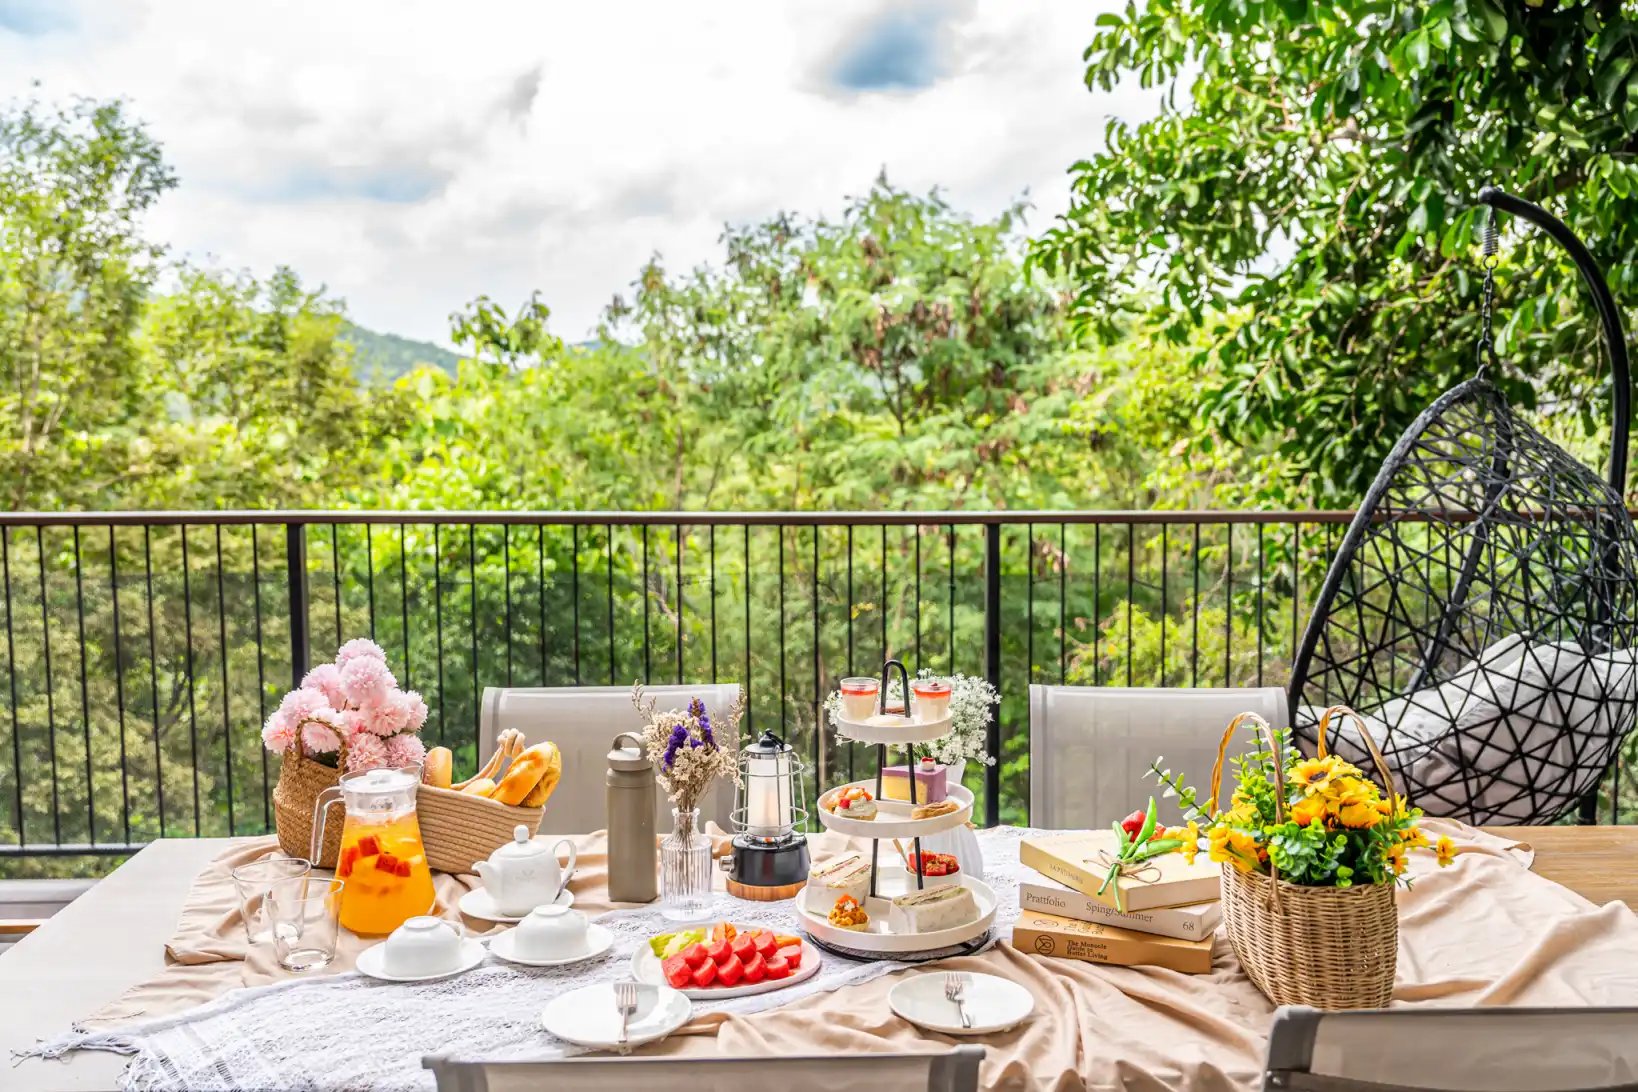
371, 963
598, 941
479, 904
993, 1004
588, 1017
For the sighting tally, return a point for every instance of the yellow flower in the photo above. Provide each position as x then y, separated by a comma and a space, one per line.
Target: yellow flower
1414, 837
1396, 805
1315, 775
1236, 847
1444, 850
1308, 809
1191, 841
1242, 814
1396, 857
1357, 810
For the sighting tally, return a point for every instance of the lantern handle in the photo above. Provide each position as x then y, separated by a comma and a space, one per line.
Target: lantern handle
904, 677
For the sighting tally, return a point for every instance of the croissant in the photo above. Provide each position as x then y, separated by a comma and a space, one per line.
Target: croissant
541, 765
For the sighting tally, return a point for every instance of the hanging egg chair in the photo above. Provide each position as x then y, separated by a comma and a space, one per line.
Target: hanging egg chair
1480, 612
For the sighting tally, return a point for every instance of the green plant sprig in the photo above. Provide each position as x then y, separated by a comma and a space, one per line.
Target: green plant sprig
1134, 850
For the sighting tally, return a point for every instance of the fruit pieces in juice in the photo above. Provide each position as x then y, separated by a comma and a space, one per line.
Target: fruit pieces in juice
385, 869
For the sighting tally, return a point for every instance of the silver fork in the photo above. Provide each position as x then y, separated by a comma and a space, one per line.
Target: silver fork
625, 999
954, 990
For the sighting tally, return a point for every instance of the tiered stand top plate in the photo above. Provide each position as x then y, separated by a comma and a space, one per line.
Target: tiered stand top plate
902, 731
893, 816
876, 940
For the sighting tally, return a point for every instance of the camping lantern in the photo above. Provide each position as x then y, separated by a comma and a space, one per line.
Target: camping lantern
770, 856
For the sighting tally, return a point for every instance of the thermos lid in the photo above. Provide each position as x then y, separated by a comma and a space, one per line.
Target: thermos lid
629, 757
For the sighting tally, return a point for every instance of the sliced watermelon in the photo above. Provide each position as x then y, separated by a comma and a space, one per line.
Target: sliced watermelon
695, 955
369, 846
777, 968
729, 973
755, 971
744, 947
766, 945
678, 973
720, 952
705, 974
791, 954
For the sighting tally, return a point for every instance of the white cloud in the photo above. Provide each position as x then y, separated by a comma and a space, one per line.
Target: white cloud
412, 155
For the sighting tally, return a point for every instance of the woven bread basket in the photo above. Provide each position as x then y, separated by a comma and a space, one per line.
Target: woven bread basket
1326, 947
301, 779
459, 829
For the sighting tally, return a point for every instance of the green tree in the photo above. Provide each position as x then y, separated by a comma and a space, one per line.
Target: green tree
1305, 196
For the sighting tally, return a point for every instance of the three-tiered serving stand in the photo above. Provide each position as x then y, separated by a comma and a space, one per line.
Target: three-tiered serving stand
887, 730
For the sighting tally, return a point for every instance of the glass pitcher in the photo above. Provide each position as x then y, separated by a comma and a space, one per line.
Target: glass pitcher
382, 859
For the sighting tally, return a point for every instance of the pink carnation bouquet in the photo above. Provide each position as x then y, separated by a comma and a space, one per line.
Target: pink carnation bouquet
350, 714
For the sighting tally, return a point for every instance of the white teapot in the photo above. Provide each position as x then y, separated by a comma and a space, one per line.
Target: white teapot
524, 873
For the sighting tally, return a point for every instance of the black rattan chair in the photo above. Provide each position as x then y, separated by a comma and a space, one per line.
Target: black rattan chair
1482, 610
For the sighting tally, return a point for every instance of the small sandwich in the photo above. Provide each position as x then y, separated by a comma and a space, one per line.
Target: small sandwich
933, 909
931, 811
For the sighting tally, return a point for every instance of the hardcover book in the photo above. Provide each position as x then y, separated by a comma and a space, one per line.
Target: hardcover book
1066, 938
1076, 861
1191, 922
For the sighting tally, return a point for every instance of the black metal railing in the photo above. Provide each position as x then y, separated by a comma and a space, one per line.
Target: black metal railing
143, 650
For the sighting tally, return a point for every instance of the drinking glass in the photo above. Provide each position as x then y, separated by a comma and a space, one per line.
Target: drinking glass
305, 914
254, 881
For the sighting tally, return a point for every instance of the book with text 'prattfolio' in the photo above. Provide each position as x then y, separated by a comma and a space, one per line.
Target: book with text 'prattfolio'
1091, 942
1190, 922
1077, 862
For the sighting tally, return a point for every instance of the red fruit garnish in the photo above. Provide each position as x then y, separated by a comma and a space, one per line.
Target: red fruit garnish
729, 973
791, 954
766, 945
386, 863
755, 970
349, 857
705, 974
368, 846
677, 973
744, 947
777, 968
720, 952
696, 956
403, 868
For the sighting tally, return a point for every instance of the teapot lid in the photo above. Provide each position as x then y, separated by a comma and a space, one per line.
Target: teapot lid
521, 845
629, 757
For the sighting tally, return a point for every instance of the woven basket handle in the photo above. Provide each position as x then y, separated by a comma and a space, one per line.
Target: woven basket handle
1370, 745
1279, 785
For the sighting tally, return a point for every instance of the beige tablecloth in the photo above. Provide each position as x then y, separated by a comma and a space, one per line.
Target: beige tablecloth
1482, 932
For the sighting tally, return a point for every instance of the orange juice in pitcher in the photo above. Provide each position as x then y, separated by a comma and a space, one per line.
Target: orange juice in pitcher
382, 861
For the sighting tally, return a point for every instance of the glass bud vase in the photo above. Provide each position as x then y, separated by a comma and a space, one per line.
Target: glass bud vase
685, 869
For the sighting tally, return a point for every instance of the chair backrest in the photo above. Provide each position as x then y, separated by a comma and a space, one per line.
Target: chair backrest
955, 1071
583, 721
1453, 1050
1090, 746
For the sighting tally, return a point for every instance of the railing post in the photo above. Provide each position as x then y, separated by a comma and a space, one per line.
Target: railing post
992, 668
295, 567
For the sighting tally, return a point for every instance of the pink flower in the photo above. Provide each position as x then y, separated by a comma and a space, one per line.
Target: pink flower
366, 681
366, 752
417, 709
405, 750
302, 703
279, 733
321, 733
391, 716
326, 679
359, 648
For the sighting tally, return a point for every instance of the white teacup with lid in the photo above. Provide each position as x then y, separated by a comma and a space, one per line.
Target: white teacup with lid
422, 947
550, 932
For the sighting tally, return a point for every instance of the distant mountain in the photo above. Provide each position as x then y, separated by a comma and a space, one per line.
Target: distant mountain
391, 356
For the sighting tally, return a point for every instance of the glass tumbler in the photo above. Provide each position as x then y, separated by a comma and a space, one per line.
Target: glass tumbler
254, 881
305, 915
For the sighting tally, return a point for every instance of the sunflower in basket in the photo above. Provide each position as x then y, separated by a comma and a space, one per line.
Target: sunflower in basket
1321, 821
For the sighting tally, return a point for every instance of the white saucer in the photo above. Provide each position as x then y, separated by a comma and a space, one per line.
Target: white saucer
372, 963
478, 904
587, 1016
993, 1004
598, 941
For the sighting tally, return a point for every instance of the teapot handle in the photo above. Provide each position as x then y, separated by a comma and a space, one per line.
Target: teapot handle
321, 812
568, 869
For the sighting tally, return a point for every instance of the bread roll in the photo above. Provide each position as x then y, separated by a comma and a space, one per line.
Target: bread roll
481, 786
543, 788
529, 770
440, 767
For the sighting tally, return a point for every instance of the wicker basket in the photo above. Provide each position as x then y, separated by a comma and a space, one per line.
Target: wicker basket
300, 781
1328, 947
459, 829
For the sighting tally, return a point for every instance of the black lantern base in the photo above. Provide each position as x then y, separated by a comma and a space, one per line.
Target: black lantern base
762, 864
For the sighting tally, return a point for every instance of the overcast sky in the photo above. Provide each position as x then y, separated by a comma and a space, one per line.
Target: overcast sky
412, 155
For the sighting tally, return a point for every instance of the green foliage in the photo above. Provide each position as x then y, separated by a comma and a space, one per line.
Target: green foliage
385, 358
1305, 198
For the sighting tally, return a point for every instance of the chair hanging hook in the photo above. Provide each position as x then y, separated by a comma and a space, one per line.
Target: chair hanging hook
1487, 344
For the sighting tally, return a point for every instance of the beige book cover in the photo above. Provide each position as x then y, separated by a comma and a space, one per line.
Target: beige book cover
1092, 942
1047, 896
1074, 860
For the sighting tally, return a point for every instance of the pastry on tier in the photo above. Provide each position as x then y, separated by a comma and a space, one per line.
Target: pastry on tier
854, 803
933, 811
932, 783
848, 914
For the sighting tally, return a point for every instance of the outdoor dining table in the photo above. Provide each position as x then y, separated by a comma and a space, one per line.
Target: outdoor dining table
114, 937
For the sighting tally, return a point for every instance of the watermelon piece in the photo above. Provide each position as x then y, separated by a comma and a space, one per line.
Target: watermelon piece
755, 970
677, 973
705, 974
777, 968
695, 956
369, 846
720, 952
792, 954
722, 930
386, 863
744, 947
766, 945
731, 972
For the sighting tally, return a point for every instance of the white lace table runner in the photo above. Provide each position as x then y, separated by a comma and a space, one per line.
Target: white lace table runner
347, 1031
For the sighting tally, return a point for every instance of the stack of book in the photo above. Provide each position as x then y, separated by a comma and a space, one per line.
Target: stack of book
1168, 910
